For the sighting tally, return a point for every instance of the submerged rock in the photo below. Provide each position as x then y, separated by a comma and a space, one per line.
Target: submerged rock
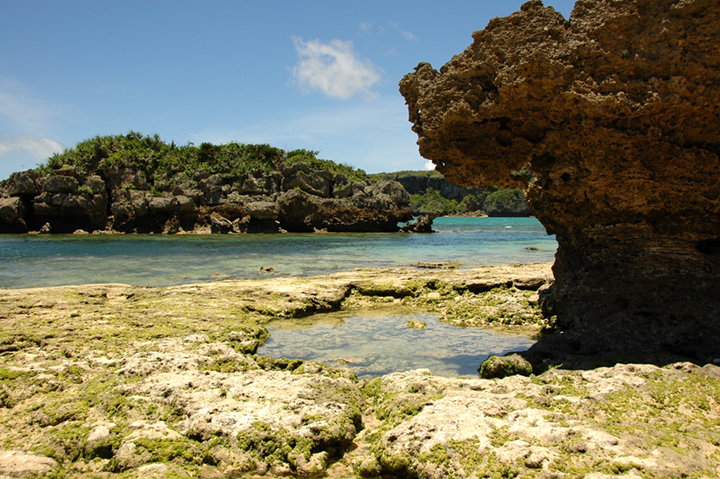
609, 120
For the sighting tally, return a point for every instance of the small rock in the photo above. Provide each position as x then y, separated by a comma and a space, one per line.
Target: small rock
422, 225
710, 371
512, 451
153, 470
535, 460
151, 430
97, 443
368, 466
128, 456
500, 367
220, 225
46, 229
416, 324
21, 464
316, 464
281, 469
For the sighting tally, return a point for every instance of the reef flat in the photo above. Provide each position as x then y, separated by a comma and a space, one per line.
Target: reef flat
111, 380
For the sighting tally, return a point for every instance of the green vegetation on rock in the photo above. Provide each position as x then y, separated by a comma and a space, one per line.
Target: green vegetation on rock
433, 202
168, 165
431, 193
506, 202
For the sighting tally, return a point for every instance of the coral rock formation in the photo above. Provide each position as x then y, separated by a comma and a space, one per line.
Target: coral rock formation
297, 198
611, 120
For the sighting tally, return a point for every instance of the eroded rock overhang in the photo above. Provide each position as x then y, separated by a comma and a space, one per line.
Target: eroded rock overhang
610, 120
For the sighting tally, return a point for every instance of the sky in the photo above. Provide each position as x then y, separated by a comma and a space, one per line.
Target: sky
321, 75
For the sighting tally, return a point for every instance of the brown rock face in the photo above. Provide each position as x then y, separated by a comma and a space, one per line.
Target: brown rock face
612, 120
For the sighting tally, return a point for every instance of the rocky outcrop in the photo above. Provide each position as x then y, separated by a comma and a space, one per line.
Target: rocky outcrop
111, 380
506, 202
555, 425
422, 225
417, 184
610, 119
367, 208
294, 198
471, 201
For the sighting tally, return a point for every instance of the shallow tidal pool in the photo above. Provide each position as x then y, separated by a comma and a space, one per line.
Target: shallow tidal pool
377, 342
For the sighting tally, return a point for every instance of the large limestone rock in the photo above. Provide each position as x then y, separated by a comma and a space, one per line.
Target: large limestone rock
294, 198
376, 208
610, 119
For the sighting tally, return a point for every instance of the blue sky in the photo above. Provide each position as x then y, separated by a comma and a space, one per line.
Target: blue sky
320, 75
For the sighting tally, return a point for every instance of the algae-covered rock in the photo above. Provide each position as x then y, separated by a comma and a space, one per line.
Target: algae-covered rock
416, 324
601, 421
122, 381
25, 464
504, 366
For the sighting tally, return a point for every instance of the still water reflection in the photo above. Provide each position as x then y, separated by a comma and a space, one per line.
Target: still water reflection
378, 342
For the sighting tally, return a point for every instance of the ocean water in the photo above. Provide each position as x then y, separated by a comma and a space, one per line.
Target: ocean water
377, 342
157, 260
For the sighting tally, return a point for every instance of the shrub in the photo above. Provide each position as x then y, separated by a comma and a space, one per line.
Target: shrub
173, 165
506, 198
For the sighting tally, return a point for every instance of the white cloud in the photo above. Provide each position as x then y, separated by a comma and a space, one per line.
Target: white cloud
408, 35
333, 68
429, 165
21, 151
21, 109
366, 27
13, 145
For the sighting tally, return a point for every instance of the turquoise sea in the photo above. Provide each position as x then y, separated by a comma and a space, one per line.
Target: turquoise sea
28, 261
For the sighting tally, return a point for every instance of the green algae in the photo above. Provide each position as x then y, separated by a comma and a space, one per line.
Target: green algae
503, 366
275, 446
52, 407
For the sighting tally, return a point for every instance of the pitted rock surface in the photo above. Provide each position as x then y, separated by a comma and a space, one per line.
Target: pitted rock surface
610, 119
112, 380
566, 424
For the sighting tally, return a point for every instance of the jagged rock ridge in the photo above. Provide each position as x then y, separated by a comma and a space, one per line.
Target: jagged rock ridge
138, 184
611, 120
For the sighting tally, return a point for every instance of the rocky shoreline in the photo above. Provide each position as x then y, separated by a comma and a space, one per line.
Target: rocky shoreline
101, 381
138, 184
